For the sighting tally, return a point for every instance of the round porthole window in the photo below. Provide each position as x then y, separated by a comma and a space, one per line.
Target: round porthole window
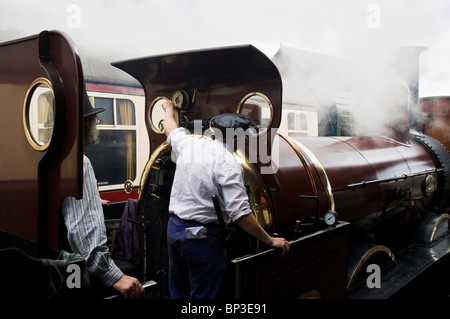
39, 114
157, 114
259, 109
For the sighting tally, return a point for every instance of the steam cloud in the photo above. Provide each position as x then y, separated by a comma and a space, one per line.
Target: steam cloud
107, 30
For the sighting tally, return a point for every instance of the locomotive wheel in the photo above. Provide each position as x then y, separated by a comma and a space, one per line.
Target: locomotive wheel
363, 255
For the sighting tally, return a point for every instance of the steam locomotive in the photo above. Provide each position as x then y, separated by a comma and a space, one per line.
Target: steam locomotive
347, 205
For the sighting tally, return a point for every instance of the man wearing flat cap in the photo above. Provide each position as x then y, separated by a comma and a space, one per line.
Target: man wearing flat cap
205, 168
84, 220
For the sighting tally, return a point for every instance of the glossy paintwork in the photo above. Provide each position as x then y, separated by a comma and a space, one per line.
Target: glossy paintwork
215, 80
307, 168
33, 183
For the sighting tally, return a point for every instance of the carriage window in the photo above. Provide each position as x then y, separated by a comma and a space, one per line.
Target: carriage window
303, 122
122, 114
106, 117
39, 114
297, 121
125, 112
113, 156
291, 121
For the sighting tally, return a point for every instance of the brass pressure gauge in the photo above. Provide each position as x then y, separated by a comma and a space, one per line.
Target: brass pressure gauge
180, 99
429, 185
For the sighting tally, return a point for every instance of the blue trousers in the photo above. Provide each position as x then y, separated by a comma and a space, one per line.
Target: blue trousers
197, 267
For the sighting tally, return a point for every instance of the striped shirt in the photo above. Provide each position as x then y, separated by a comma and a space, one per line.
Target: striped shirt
86, 231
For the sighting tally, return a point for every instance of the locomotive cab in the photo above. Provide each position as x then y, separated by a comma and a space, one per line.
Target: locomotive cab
203, 84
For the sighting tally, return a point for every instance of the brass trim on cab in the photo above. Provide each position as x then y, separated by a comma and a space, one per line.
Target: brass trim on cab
249, 95
163, 148
322, 174
302, 159
258, 196
149, 115
297, 146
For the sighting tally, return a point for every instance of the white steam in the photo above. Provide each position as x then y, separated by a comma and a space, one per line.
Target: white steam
111, 30
379, 88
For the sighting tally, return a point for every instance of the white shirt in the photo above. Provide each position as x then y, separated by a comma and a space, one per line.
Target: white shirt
205, 168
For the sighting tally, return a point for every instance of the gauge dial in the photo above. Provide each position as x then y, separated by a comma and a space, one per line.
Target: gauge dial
331, 218
179, 99
429, 185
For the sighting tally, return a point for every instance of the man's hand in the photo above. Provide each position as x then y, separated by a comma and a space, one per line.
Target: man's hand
281, 243
252, 227
167, 105
129, 287
170, 122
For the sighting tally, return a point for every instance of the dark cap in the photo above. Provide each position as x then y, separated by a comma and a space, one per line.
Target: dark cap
230, 120
89, 110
